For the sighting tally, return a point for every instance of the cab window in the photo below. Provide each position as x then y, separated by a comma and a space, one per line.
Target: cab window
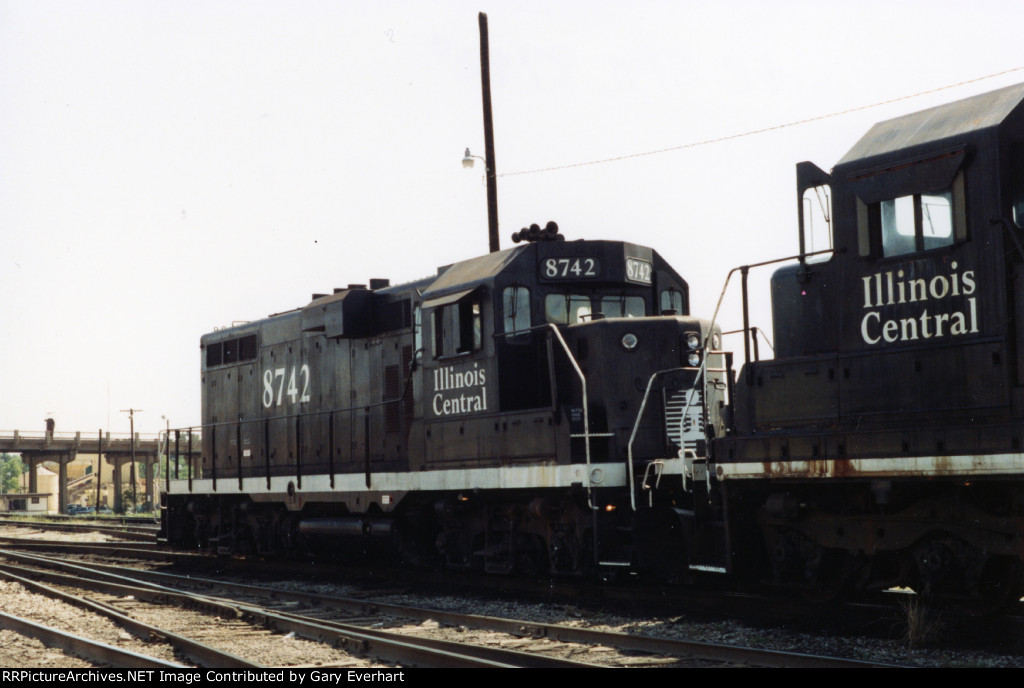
457, 328
623, 306
566, 309
671, 302
816, 213
515, 303
916, 223
911, 221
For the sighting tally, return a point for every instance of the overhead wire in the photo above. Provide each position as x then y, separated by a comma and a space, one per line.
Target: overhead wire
753, 132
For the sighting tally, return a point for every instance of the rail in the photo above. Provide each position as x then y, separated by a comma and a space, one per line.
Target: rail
702, 372
586, 413
583, 384
636, 428
744, 270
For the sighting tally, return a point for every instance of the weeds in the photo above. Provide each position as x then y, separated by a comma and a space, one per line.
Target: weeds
922, 624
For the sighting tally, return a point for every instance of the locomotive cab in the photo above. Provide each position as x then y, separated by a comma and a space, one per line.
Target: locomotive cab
921, 285
520, 333
897, 388
579, 357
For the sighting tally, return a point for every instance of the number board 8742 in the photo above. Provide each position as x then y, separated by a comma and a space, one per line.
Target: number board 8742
571, 268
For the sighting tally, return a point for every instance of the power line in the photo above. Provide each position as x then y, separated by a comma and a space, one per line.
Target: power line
760, 131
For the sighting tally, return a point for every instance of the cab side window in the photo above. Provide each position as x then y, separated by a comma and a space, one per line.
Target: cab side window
457, 328
515, 302
916, 223
816, 215
911, 207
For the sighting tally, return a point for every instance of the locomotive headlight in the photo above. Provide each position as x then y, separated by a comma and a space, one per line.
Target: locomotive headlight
693, 359
693, 341
629, 341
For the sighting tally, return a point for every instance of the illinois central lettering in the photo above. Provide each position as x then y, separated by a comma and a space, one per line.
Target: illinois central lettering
926, 297
462, 391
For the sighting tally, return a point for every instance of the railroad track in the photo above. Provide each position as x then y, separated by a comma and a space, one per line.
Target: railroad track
256, 627
143, 533
79, 646
877, 620
402, 635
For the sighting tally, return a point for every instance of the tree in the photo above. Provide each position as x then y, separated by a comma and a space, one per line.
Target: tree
11, 470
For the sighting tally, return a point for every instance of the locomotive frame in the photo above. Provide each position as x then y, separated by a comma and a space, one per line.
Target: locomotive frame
509, 415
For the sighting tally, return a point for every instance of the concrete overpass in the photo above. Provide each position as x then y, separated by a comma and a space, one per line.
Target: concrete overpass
63, 447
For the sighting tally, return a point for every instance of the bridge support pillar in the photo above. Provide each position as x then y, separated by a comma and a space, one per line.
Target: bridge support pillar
62, 479
117, 461
150, 461
62, 459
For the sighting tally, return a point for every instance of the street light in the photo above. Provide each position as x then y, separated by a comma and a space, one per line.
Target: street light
467, 160
492, 197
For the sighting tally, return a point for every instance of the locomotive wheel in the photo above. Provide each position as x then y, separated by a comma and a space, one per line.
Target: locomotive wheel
998, 587
245, 544
815, 573
961, 577
832, 577
531, 556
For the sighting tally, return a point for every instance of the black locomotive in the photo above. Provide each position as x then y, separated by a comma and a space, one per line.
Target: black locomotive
480, 418
882, 445
553, 408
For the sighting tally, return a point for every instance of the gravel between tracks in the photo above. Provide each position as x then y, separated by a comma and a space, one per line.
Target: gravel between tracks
18, 601
725, 632
13, 597
675, 626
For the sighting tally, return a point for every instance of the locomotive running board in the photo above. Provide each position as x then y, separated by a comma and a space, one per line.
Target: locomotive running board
882, 467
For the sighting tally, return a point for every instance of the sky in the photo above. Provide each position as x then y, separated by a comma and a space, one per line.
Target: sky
172, 167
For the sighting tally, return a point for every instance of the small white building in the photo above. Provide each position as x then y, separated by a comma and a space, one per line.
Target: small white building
32, 502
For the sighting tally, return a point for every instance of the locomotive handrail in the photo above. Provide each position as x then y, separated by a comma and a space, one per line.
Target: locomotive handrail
413, 364
754, 331
636, 426
286, 416
583, 382
702, 371
586, 414
745, 269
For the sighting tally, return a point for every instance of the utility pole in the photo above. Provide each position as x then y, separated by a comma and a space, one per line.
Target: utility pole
99, 468
131, 417
492, 176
